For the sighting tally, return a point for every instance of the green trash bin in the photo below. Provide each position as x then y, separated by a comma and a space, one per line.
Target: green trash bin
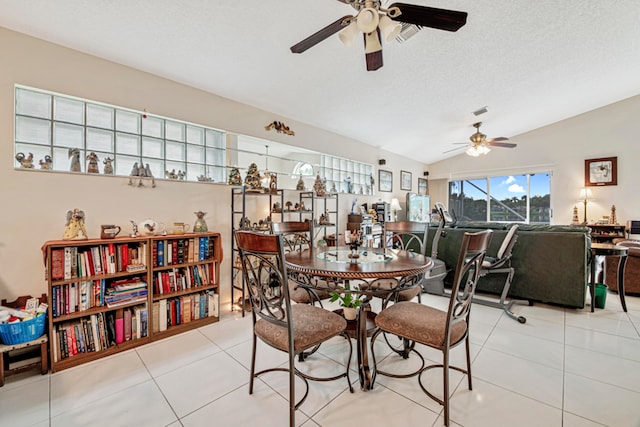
601, 295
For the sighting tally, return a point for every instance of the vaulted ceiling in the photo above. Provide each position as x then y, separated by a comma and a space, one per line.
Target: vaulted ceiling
530, 63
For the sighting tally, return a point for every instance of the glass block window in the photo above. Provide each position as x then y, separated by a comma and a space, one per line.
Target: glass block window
50, 126
347, 176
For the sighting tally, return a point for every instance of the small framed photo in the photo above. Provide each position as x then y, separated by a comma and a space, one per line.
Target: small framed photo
405, 180
423, 187
603, 171
385, 180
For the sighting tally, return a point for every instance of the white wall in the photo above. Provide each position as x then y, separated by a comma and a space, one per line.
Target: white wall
562, 148
35, 203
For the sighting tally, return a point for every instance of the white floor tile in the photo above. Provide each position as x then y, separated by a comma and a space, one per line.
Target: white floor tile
174, 352
25, 404
601, 367
614, 345
379, 407
570, 420
602, 403
140, 405
519, 375
229, 333
81, 385
536, 327
549, 353
201, 382
239, 408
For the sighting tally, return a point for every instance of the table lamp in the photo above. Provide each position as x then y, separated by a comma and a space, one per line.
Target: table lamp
395, 206
585, 197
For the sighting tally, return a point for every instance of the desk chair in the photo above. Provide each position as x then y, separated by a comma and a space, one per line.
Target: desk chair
441, 330
297, 237
501, 264
291, 328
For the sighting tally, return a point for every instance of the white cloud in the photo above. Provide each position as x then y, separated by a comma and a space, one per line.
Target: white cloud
516, 188
509, 180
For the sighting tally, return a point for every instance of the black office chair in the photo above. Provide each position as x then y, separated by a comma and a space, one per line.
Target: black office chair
501, 264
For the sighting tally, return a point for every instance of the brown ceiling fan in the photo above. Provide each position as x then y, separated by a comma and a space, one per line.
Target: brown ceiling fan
480, 144
375, 22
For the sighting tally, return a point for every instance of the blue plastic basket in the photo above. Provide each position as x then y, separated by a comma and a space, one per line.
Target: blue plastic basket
20, 332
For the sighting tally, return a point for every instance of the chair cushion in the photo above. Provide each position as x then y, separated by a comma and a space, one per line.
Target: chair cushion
299, 294
419, 323
311, 325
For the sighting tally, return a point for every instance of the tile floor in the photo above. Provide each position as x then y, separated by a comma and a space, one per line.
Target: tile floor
564, 367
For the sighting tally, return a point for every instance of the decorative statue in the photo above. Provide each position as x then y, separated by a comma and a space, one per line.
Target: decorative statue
300, 185
252, 180
273, 182
92, 167
612, 218
200, 225
171, 175
47, 163
134, 232
349, 185
75, 226
234, 177
575, 220
333, 190
288, 204
26, 162
74, 155
108, 166
319, 187
181, 175
204, 178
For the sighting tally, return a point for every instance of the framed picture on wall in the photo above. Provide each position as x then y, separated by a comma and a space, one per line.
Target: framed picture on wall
385, 180
423, 186
603, 171
405, 180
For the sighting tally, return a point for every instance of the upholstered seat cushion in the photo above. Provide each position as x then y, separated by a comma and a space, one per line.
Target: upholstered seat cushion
301, 295
419, 323
311, 325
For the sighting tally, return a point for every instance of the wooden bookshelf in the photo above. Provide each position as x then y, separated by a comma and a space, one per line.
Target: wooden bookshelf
91, 290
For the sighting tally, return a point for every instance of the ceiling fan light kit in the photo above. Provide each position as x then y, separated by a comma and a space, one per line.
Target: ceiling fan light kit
480, 144
375, 21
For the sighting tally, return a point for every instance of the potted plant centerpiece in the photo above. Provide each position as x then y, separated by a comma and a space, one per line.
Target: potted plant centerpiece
349, 300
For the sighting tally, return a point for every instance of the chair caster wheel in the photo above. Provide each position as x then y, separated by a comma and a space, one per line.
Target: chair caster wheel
522, 319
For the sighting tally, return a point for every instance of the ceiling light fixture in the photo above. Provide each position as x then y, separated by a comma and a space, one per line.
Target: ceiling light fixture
477, 150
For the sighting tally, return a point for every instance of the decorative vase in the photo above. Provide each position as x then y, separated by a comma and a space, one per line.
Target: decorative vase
349, 313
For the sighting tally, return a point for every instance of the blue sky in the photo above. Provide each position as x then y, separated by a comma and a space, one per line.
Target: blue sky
503, 187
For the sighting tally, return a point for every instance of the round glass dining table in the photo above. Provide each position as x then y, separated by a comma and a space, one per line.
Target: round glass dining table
404, 269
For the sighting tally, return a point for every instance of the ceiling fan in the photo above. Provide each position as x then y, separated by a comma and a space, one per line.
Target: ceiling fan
375, 22
480, 144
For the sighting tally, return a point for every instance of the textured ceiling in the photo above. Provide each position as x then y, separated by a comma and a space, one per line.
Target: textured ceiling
531, 63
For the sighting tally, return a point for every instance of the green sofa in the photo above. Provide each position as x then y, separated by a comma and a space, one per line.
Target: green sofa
551, 262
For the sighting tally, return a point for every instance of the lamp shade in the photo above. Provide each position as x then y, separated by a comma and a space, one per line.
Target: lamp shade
368, 20
348, 35
372, 42
586, 194
389, 28
395, 204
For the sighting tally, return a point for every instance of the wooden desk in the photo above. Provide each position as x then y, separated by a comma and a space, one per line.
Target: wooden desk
403, 269
602, 249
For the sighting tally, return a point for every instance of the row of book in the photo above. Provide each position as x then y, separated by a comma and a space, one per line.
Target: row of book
83, 295
176, 311
180, 251
99, 331
182, 278
71, 262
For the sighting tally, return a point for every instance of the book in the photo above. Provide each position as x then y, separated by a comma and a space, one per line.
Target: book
186, 309
160, 251
174, 251
155, 317
163, 318
57, 264
128, 327
119, 326
67, 263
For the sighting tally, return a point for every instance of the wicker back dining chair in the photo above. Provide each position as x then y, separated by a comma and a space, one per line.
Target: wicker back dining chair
291, 328
409, 236
438, 329
297, 237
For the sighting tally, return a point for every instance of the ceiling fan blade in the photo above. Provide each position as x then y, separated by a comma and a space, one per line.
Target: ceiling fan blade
454, 149
373, 50
319, 36
423, 16
502, 144
500, 138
